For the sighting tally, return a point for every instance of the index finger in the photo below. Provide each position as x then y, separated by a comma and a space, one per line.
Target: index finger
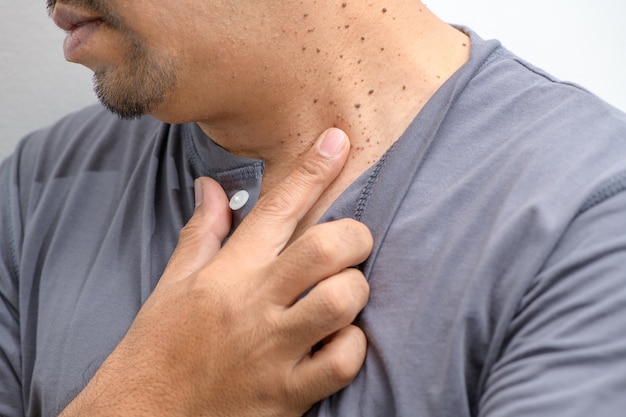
273, 220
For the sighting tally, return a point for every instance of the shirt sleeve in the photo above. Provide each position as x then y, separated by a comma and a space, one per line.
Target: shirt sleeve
11, 399
565, 354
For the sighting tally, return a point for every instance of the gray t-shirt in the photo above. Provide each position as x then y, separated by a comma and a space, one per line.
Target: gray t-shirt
498, 278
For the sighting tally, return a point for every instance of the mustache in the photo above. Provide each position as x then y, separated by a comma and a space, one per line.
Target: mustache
50, 5
97, 6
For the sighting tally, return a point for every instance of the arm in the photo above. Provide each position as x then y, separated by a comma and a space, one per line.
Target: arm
10, 348
225, 333
566, 351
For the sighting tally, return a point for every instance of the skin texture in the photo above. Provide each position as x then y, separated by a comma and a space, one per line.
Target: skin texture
224, 332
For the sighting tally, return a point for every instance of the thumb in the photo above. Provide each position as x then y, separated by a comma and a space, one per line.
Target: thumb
203, 234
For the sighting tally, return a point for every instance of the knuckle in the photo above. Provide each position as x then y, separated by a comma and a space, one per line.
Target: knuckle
357, 234
180, 259
335, 307
281, 200
319, 247
186, 233
309, 175
277, 203
338, 244
192, 231
360, 289
342, 367
348, 358
311, 170
351, 236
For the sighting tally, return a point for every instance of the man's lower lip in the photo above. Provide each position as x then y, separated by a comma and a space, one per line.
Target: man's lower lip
77, 38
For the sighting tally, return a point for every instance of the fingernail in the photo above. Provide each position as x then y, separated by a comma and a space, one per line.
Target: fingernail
332, 143
199, 195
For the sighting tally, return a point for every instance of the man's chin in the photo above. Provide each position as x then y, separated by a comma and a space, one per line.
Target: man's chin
131, 94
126, 112
124, 105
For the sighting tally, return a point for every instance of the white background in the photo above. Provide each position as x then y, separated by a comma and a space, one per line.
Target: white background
575, 40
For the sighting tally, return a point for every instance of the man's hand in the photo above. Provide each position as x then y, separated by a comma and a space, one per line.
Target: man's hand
228, 332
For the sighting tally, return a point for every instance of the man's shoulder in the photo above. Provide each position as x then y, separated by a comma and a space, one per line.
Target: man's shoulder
520, 115
88, 139
89, 126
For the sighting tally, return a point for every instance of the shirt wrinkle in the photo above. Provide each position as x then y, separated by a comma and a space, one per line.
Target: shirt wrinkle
8, 221
610, 188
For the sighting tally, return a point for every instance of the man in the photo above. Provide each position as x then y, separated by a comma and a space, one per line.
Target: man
494, 195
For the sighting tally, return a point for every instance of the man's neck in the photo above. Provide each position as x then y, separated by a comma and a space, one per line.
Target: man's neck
371, 80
